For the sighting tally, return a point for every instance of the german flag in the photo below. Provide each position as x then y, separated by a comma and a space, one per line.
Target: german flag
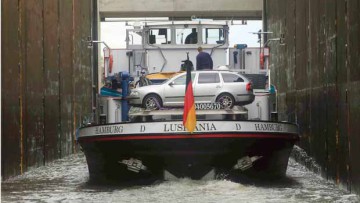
189, 115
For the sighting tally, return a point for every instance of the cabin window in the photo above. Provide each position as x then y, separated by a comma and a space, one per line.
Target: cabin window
213, 36
134, 37
186, 36
160, 36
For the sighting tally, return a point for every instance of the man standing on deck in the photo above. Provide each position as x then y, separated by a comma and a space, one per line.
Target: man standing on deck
203, 60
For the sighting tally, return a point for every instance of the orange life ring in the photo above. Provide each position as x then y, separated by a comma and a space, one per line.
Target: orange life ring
261, 60
111, 61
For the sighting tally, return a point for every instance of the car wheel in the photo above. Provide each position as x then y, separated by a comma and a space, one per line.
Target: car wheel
226, 100
152, 102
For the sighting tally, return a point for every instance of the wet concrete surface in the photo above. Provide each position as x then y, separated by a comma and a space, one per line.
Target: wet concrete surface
66, 180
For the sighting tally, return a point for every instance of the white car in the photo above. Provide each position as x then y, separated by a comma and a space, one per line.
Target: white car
226, 87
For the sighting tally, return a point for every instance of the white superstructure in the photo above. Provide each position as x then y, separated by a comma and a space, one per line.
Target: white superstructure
163, 46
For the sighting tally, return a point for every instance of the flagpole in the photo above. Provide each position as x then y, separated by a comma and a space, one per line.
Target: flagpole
189, 114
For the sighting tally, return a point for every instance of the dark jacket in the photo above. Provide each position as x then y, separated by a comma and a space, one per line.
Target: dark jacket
204, 61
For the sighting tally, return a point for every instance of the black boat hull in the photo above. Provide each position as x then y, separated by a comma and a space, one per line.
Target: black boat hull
193, 156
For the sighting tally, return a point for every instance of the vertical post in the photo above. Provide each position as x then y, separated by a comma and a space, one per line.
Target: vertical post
124, 103
95, 71
264, 19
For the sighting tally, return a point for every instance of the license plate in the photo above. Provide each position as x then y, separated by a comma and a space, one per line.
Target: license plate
208, 106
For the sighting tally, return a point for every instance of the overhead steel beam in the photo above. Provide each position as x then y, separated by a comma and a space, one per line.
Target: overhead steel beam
182, 9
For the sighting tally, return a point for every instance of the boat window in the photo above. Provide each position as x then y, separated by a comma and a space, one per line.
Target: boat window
186, 36
208, 78
160, 36
213, 36
229, 77
182, 79
134, 37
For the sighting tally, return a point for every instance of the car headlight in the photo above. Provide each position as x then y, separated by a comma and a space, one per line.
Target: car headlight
134, 93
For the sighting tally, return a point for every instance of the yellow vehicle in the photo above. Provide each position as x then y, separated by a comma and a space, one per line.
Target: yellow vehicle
157, 78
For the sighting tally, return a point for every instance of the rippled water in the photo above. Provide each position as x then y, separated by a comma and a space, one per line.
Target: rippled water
66, 181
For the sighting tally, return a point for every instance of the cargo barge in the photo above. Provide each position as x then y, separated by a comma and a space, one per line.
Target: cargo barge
158, 150
149, 145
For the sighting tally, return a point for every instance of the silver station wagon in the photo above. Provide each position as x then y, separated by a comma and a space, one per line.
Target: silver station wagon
224, 87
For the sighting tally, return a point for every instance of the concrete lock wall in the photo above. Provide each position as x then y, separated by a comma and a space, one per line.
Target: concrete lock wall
46, 80
317, 74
